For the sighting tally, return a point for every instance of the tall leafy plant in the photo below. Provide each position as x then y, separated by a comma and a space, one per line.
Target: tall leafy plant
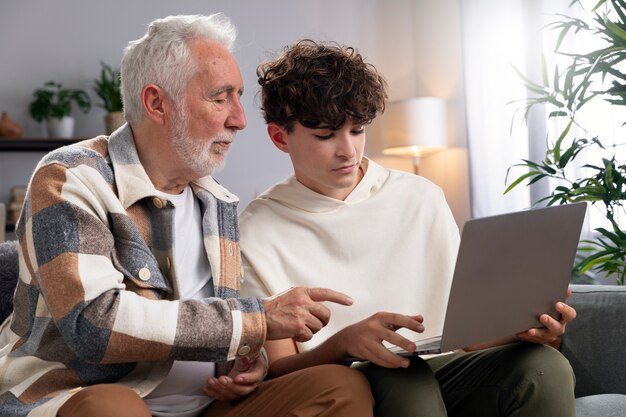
593, 75
108, 88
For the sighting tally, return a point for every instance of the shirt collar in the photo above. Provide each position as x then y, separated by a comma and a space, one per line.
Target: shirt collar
133, 183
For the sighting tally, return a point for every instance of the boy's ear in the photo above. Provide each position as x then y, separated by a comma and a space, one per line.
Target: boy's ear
277, 135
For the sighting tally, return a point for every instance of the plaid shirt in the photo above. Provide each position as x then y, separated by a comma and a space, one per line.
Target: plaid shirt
98, 299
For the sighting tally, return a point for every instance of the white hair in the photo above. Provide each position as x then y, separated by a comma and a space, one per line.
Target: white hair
162, 56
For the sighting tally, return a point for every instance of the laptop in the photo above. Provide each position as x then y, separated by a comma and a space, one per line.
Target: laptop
510, 269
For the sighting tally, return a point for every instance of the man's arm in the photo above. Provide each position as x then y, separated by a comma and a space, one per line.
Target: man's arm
83, 253
71, 232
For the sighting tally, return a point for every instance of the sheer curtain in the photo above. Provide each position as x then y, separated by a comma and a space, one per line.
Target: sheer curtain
498, 36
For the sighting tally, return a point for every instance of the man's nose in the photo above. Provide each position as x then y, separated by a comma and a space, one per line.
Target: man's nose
237, 117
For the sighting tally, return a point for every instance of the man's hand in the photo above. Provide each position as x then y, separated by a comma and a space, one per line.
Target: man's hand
364, 339
297, 312
244, 378
552, 329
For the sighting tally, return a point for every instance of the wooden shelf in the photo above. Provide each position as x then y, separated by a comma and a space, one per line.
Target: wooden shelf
34, 144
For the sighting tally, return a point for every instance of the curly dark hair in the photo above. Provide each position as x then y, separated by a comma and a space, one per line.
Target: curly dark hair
320, 85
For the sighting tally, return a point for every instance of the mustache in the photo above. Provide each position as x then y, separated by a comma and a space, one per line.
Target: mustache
224, 137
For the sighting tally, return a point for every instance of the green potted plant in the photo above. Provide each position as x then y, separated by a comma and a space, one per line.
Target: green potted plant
53, 104
107, 87
589, 76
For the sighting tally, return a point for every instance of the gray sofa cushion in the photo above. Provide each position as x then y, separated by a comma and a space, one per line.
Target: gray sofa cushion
595, 342
604, 405
9, 265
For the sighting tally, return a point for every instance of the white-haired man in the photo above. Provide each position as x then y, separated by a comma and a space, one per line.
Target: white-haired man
128, 300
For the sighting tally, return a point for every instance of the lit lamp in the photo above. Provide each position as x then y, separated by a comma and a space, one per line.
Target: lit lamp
415, 128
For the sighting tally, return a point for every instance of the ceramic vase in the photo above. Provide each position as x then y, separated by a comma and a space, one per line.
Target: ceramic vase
9, 128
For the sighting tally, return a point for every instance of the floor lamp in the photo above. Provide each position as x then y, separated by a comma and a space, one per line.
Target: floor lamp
414, 128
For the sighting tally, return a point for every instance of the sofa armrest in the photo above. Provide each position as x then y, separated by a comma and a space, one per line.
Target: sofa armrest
3, 221
9, 274
595, 342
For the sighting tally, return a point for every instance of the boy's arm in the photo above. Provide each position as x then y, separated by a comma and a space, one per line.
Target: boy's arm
284, 357
361, 340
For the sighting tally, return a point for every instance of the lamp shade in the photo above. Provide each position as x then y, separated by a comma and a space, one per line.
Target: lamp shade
415, 127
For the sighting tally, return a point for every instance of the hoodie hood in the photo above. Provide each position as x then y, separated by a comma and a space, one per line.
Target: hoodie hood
293, 194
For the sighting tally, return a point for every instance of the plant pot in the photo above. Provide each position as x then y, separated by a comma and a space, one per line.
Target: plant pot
114, 121
61, 128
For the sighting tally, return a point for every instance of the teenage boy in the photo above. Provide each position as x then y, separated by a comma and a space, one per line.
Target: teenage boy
384, 237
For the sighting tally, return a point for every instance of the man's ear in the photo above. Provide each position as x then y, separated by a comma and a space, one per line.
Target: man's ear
277, 135
152, 99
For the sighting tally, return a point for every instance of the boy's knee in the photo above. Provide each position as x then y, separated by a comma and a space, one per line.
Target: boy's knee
412, 391
545, 363
543, 379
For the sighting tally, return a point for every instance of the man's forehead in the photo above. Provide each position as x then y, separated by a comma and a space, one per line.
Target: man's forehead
206, 53
217, 67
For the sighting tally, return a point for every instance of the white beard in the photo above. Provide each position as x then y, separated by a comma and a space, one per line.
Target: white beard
202, 156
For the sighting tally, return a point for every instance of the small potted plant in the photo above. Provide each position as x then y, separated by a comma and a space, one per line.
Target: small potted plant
107, 87
53, 104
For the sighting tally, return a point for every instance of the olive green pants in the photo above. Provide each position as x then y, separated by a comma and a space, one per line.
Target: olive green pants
518, 380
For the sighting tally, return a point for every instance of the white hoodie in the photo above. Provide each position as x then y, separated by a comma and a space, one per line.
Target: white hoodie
391, 245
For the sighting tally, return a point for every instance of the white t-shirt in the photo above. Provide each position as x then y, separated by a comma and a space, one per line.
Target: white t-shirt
180, 394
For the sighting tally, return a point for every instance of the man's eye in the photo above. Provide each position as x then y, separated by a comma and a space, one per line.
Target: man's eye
357, 132
220, 98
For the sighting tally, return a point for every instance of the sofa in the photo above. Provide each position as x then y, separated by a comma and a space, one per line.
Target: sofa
9, 267
594, 343
3, 221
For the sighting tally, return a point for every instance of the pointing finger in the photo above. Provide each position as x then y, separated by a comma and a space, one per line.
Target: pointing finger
326, 294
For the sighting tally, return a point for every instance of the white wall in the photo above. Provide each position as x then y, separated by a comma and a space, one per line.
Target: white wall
414, 43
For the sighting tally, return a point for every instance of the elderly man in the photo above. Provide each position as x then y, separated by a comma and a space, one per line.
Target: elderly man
128, 301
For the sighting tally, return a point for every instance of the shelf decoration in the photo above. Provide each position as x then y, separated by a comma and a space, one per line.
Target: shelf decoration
9, 128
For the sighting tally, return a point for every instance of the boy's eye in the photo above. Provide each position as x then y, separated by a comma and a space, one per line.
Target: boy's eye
357, 132
325, 137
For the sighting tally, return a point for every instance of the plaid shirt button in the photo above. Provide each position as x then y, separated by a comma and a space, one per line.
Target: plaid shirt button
144, 274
